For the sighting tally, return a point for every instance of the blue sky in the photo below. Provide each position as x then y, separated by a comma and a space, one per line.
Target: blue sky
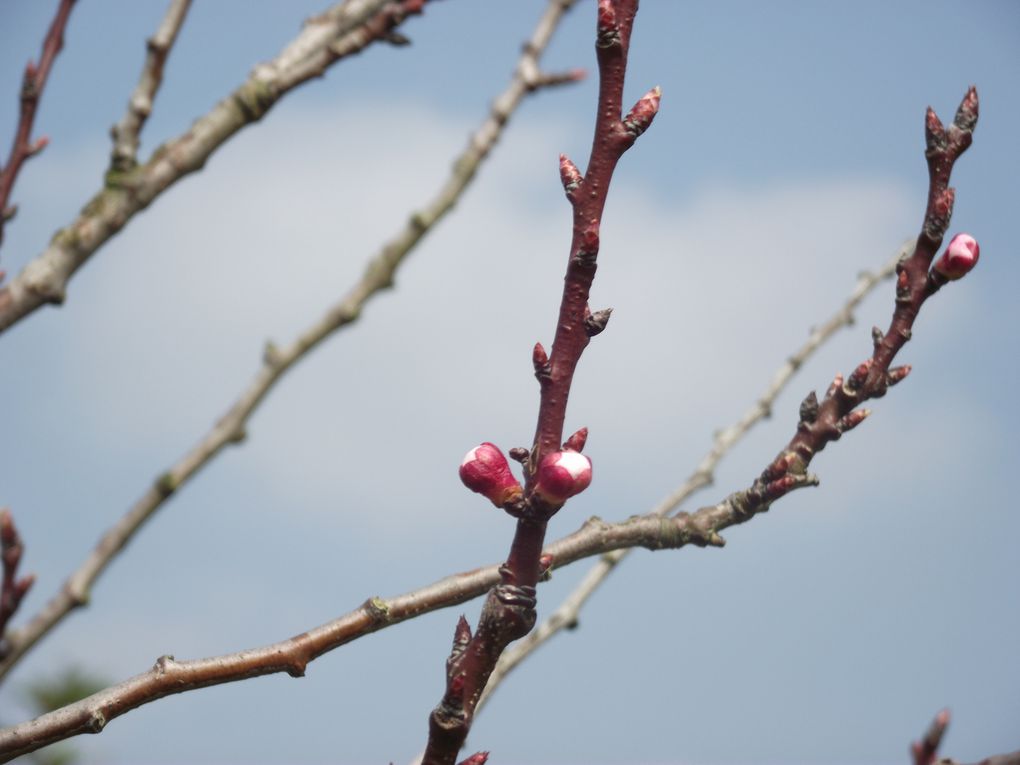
787, 157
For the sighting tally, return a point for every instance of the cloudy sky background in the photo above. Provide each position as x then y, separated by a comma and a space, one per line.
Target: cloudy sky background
787, 157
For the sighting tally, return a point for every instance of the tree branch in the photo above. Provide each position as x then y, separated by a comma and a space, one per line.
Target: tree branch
292, 655
125, 133
31, 90
566, 615
343, 30
277, 361
551, 475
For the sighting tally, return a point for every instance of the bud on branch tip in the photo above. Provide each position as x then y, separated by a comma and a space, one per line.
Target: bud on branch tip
485, 470
562, 475
959, 258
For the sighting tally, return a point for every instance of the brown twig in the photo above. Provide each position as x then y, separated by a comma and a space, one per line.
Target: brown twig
31, 90
13, 589
566, 614
343, 30
509, 610
293, 655
278, 360
126, 133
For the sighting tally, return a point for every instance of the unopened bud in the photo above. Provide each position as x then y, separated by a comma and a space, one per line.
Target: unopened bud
640, 117
478, 758
959, 258
967, 115
835, 385
809, 408
897, 374
607, 30
577, 441
562, 475
852, 420
858, 376
934, 133
485, 470
569, 175
540, 360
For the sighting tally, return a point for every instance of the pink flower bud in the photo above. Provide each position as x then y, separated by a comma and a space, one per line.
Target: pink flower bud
960, 257
562, 475
485, 470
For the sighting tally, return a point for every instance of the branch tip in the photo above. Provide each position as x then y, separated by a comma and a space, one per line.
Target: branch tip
967, 114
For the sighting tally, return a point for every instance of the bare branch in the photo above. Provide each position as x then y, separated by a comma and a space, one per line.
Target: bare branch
277, 361
345, 29
125, 133
554, 470
292, 655
566, 615
31, 89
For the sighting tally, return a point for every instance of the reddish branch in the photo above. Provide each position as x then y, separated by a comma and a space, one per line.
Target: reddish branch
13, 589
31, 89
838, 412
509, 609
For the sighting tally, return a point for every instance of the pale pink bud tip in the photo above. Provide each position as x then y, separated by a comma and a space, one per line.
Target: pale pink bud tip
959, 258
485, 470
562, 475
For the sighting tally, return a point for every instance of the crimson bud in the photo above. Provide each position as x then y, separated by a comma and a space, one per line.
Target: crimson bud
485, 470
562, 475
960, 257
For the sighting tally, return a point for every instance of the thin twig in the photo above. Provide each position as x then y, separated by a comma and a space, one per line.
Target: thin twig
31, 90
343, 30
378, 275
126, 133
